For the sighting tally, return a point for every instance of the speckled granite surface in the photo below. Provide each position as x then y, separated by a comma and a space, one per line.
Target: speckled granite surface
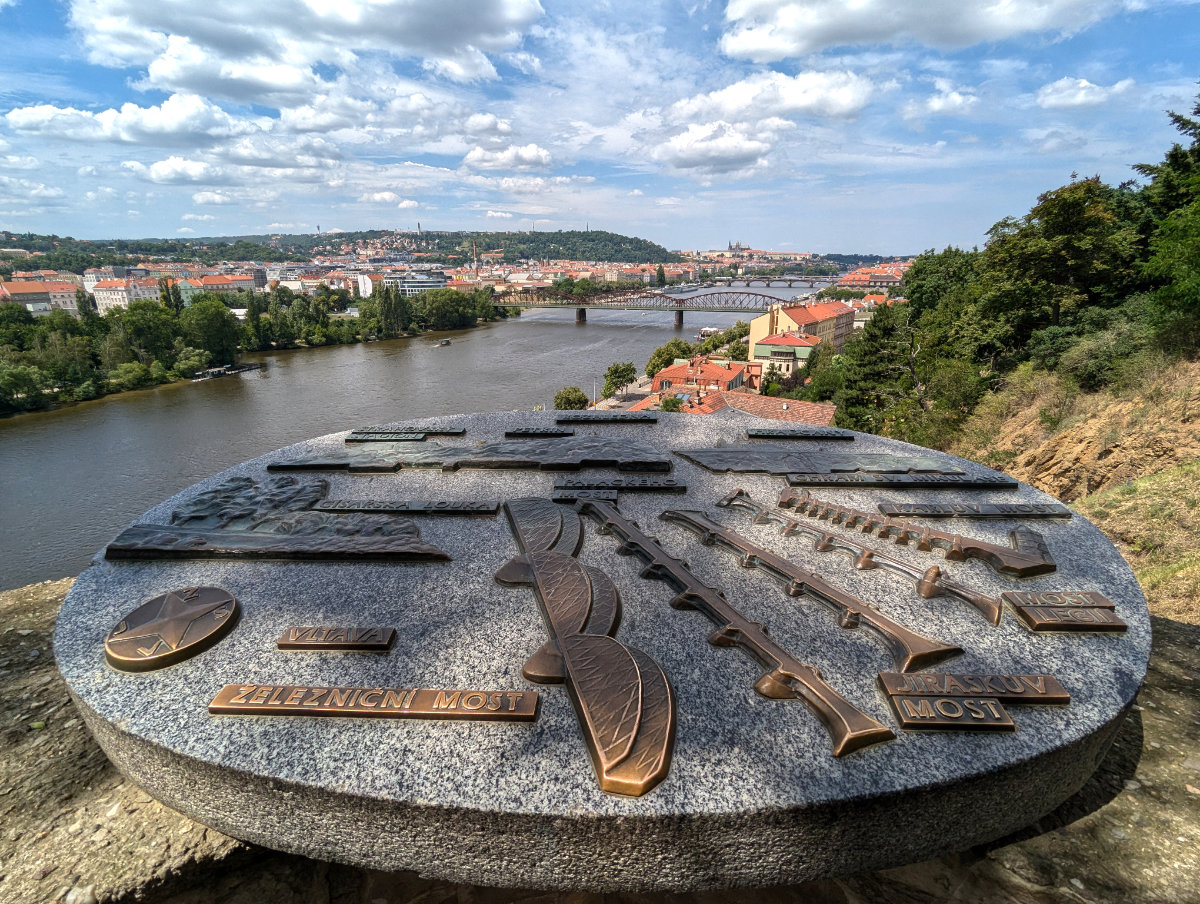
753, 796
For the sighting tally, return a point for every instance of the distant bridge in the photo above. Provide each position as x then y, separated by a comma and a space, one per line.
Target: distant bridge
778, 281
723, 301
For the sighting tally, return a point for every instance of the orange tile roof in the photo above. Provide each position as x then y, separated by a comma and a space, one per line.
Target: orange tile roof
782, 409
760, 406
703, 370
31, 287
791, 339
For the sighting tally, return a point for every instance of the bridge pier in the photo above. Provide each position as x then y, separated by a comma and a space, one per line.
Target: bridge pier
581, 315
679, 320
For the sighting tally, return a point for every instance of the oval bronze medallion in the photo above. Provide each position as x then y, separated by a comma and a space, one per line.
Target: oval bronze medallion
171, 628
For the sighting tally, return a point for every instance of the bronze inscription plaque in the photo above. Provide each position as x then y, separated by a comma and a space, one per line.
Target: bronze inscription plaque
424, 431
624, 484
975, 509
274, 519
1005, 688
409, 506
556, 454
538, 432
607, 417
171, 628
374, 702
384, 436
569, 496
370, 640
902, 481
944, 702
952, 714
812, 432
776, 458
1076, 611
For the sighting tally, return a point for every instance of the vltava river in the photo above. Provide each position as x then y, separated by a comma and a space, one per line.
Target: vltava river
71, 479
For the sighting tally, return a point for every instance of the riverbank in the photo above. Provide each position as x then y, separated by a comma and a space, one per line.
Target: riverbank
75, 477
77, 832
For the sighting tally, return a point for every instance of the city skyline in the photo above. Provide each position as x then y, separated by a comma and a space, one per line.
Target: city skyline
809, 126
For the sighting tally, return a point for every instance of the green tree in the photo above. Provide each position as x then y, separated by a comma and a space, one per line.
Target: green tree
660, 276
671, 403
85, 305
209, 325
151, 329
738, 351
1071, 251
820, 378
1175, 182
170, 296
873, 393
617, 377
665, 355
21, 387
570, 398
934, 274
257, 328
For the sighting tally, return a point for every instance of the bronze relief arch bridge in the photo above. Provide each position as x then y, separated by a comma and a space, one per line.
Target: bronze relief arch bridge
727, 301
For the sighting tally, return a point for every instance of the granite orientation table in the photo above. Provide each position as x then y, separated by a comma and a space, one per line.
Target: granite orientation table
575, 651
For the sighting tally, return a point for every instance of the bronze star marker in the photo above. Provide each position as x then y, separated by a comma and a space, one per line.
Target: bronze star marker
171, 628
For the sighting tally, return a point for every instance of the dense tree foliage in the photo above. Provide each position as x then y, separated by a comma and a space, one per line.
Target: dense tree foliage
59, 358
1095, 283
570, 398
617, 377
77, 255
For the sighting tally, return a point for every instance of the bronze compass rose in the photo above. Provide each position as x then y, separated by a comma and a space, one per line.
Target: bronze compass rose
171, 628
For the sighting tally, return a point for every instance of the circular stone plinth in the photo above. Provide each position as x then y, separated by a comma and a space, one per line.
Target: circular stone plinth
753, 796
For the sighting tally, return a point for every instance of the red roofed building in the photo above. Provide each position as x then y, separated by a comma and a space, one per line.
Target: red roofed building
829, 321
760, 406
40, 297
701, 373
786, 351
110, 294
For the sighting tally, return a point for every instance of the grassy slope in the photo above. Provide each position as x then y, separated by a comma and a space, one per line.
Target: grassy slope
1155, 522
1128, 461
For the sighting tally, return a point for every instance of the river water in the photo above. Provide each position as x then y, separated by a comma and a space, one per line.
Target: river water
71, 479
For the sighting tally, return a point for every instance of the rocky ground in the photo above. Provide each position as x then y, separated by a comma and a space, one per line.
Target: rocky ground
1071, 445
73, 830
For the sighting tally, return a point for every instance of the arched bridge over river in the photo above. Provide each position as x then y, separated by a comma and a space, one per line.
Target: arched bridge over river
730, 301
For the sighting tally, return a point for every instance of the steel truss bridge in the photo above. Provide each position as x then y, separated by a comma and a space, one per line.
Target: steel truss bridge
728, 301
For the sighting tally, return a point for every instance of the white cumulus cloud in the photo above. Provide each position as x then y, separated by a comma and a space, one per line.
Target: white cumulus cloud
768, 30
499, 215
213, 197
276, 49
379, 197
198, 217
948, 101
715, 147
838, 93
1078, 92
182, 119
527, 156
407, 204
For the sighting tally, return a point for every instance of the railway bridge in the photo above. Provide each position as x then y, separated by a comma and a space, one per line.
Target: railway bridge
729, 301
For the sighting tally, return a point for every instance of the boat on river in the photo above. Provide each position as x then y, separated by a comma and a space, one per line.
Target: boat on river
226, 371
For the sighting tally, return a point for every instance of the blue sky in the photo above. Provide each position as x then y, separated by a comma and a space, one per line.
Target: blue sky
886, 126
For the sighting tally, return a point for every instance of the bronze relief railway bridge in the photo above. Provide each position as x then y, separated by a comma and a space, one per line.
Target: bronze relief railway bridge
723, 301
